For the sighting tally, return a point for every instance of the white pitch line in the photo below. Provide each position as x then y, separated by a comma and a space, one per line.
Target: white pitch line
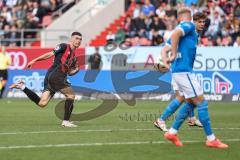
103, 144
101, 130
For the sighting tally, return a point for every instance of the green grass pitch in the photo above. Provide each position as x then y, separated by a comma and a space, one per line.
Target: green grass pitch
29, 132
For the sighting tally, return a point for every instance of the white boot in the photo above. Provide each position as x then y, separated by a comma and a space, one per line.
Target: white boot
68, 124
160, 125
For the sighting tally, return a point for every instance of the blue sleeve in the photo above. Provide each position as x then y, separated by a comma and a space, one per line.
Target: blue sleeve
186, 27
168, 42
152, 8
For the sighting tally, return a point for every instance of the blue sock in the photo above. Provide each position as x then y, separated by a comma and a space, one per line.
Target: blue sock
191, 113
183, 113
171, 108
204, 117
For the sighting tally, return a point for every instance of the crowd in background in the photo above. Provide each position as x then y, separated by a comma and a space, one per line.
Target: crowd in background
149, 24
26, 14
152, 21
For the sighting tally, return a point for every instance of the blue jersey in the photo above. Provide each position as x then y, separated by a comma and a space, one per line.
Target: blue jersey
187, 47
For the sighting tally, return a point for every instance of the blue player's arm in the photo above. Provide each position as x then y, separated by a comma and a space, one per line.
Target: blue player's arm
175, 37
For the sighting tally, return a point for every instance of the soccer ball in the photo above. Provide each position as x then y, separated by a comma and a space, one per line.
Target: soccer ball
159, 66
160, 61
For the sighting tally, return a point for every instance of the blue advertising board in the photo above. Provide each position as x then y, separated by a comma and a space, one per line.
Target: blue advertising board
225, 82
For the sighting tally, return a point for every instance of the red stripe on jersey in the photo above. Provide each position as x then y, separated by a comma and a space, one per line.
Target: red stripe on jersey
65, 54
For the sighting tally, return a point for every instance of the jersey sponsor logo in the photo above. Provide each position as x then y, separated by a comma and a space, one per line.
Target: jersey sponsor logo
179, 55
57, 48
19, 60
218, 83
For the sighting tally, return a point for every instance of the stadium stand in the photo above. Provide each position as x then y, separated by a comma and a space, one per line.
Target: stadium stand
144, 23
23, 19
150, 22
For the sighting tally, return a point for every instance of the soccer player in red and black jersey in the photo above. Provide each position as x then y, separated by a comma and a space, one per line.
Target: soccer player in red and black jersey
65, 63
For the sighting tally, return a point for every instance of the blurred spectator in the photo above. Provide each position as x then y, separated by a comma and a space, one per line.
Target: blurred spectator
110, 37
6, 13
227, 41
142, 33
156, 38
11, 3
204, 41
218, 41
128, 24
210, 41
237, 9
5, 62
168, 32
32, 22
46, 3
226, 6
140, 22
135, 41
236, 31
158, 24
6, 36
160, 12
194, 8
38, 12
147, 25
148, 9
137, 24
137, 11
14, 37
214, 7
237, 42
54, 5
157, 3
29, 6
3, 22
95, 60
171, 11
21, 13
144, 41
215, 24
120, 35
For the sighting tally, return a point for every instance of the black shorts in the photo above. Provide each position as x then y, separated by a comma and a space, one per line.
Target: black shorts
3, 74
55, 80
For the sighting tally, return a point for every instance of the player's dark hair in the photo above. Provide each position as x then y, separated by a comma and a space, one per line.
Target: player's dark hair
76, 33
199, 15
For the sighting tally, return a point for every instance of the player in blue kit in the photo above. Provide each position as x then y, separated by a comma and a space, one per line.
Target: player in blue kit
184, 41
179, 98
175, 103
